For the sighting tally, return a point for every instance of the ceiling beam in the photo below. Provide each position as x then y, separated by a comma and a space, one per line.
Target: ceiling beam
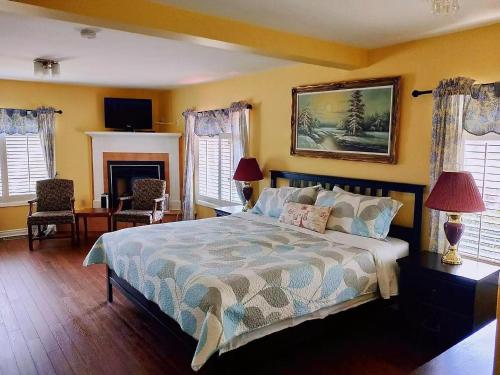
155, 19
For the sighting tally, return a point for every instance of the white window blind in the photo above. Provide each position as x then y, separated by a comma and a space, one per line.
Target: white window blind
23, 164
482, 235
215, 171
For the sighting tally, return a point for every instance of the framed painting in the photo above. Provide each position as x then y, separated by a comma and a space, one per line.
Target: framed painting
353, 120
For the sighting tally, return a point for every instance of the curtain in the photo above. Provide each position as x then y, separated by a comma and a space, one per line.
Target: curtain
18, 121
233, 120
188, 188
447, 125
46, 130
239, 115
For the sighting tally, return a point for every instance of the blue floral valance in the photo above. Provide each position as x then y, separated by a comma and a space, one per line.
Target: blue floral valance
212, 123
482, 110
18, 121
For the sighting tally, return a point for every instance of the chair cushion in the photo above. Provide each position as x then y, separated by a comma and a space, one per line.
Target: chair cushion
138, 216
145, 191
54, 194
51, 217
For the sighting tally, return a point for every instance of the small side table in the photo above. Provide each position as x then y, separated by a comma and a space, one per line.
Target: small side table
227, 210
85, 213
445, 303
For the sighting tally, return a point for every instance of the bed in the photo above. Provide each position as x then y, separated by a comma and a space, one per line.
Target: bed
230, 280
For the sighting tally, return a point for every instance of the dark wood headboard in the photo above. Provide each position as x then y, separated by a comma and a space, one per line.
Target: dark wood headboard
412, 235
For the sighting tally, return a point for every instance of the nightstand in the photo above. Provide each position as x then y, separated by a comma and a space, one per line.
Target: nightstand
227, 210
445, 303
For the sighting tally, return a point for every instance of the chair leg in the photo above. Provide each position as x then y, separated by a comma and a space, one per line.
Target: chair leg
39, 227
134, 223
30, 237
73, 233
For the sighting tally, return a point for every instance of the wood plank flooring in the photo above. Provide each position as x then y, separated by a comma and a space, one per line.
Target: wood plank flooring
54, 319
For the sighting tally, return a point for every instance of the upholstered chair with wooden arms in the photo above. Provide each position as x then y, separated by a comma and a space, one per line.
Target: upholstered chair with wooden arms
55, 204
148, 203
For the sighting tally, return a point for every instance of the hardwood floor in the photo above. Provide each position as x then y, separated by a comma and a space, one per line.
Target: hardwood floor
54, 318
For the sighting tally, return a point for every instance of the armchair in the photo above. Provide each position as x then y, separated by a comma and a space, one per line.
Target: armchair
55, 204
148, 203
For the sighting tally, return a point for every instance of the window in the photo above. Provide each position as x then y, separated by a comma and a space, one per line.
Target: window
482, 235
214, 171
22, 164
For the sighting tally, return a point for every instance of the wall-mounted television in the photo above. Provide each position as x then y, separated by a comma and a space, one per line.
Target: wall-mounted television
128, 114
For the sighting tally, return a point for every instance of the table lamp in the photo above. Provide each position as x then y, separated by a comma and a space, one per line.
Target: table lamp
248, 170
455, 193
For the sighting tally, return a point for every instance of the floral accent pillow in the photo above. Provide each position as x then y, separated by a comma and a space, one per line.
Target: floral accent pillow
306, 216
305, 195
358, 214
272, 200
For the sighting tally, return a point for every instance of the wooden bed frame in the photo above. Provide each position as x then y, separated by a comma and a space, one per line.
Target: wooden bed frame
367, 187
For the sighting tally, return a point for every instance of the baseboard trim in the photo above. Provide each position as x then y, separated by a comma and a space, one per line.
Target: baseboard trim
13, 232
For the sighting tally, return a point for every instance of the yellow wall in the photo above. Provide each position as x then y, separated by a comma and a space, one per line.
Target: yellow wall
421, 64
83, 111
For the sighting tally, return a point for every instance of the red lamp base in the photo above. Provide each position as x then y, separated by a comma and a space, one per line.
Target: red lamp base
453, 229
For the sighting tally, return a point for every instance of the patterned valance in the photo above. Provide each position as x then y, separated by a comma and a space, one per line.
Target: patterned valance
453, 86
215, 122
482, 110
18, 121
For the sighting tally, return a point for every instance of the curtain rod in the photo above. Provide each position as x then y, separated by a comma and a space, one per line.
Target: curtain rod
417, 93
58, 111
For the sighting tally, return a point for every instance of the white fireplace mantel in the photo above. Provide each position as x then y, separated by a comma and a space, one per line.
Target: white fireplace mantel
111, 141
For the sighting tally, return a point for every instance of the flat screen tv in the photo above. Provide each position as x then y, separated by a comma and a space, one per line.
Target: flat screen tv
128, 114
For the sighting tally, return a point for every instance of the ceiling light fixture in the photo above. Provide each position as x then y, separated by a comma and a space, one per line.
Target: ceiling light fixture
46, 68
443, 7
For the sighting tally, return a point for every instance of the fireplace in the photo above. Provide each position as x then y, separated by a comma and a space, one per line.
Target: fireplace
123, 173
135, 147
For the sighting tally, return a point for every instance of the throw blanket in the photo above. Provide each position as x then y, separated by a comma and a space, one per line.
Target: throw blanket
222, 277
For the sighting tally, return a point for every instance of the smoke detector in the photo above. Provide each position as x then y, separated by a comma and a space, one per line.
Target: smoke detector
88, 33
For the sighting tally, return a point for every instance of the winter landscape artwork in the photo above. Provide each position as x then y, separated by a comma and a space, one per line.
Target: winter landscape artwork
355, 120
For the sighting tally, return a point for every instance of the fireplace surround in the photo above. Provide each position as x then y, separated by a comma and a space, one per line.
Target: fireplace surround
136, 149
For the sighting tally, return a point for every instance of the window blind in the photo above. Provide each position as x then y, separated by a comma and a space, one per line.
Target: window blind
482, 234
25, 163
215, 171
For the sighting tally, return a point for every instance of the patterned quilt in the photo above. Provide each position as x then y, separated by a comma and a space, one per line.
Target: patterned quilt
222, 277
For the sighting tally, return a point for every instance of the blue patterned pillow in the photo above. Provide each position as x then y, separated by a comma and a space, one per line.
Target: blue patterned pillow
305, 195
272, 200
357, 214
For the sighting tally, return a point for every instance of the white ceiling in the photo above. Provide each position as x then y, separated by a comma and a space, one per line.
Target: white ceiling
115, 58
365, 23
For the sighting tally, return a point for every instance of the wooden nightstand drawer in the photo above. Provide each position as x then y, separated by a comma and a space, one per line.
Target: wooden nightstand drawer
458, 298
442, 326
444, 303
